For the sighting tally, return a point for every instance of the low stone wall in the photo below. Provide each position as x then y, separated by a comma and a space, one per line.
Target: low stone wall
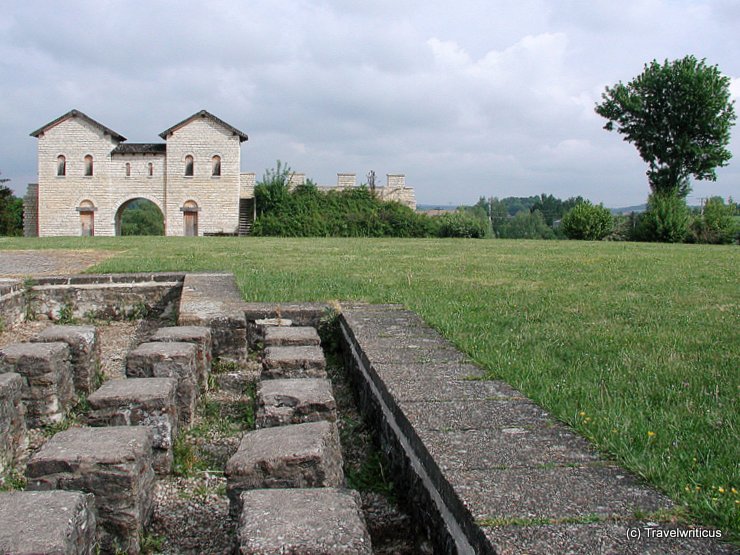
13, 438
106, 297
86, 297
12, 302
482, 468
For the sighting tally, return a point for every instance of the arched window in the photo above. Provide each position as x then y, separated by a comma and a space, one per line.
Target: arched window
128, 169
61, 165
88, 166
216, 166
150, 169
189, 165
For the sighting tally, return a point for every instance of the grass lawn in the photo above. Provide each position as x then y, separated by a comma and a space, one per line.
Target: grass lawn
637, 346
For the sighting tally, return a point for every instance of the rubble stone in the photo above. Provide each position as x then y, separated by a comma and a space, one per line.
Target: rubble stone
169, 360
200, 336
294, 362
296, 456
281, 402
47, 390
291, 336
140, 402
13, 438
84, 353
317, 520
47, 523
115, 464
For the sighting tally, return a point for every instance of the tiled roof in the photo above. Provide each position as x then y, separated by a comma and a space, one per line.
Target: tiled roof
78, 114
204, 114
140, 148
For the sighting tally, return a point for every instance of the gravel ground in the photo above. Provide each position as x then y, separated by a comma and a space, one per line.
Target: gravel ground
191, 509
48, 262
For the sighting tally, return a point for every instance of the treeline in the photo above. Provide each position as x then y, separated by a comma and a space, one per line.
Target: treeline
535, 217
307, 211
665, 220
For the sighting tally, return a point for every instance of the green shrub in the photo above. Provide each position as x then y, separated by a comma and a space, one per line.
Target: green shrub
526, 225
666, 219
716, 224
460, 225
588, 222
307, 211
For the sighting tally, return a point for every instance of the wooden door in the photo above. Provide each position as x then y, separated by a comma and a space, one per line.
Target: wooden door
87, 223
191, 223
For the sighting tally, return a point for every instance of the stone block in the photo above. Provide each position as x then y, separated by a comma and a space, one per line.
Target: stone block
291, 336
281, 402
115, 464
13, 438
84, 353
317, 520
140, 402
169, 360
296, 456
256, 328
200, 336
48, 389
47, 523
294, 362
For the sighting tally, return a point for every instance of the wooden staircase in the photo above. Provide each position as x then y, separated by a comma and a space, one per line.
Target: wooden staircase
246, 216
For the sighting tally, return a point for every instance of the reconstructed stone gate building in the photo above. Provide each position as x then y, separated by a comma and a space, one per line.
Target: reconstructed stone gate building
88, 175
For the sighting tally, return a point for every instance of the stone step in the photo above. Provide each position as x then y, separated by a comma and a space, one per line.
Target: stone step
46, 522
140, 402
291, 336
294, 362
48, 389
281, 402
295, 456
115, 464
317, 520
84, 351
169, 360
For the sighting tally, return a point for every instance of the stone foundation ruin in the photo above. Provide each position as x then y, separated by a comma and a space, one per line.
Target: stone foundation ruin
480, 468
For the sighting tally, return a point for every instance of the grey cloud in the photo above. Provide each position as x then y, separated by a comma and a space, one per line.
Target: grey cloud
468, 99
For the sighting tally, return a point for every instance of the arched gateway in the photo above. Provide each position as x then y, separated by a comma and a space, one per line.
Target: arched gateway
193, 177
144, 205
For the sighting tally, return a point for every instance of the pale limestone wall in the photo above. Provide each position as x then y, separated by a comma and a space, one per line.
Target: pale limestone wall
248, 181
31, 211
396, 190
60, 196
404, 195
296, 179
217, 197
346, 180
138, 185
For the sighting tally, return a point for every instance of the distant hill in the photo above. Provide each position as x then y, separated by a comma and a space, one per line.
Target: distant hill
627, 209
425, 207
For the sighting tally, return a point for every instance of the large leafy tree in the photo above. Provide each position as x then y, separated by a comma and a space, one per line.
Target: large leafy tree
678, 114
11, 211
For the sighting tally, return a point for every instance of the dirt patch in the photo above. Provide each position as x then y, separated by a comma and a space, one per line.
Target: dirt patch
49, 262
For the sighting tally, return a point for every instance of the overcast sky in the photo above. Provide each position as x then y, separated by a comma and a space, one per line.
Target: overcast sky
467, 98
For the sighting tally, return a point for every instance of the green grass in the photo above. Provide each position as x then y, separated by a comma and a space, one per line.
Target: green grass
635, 345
